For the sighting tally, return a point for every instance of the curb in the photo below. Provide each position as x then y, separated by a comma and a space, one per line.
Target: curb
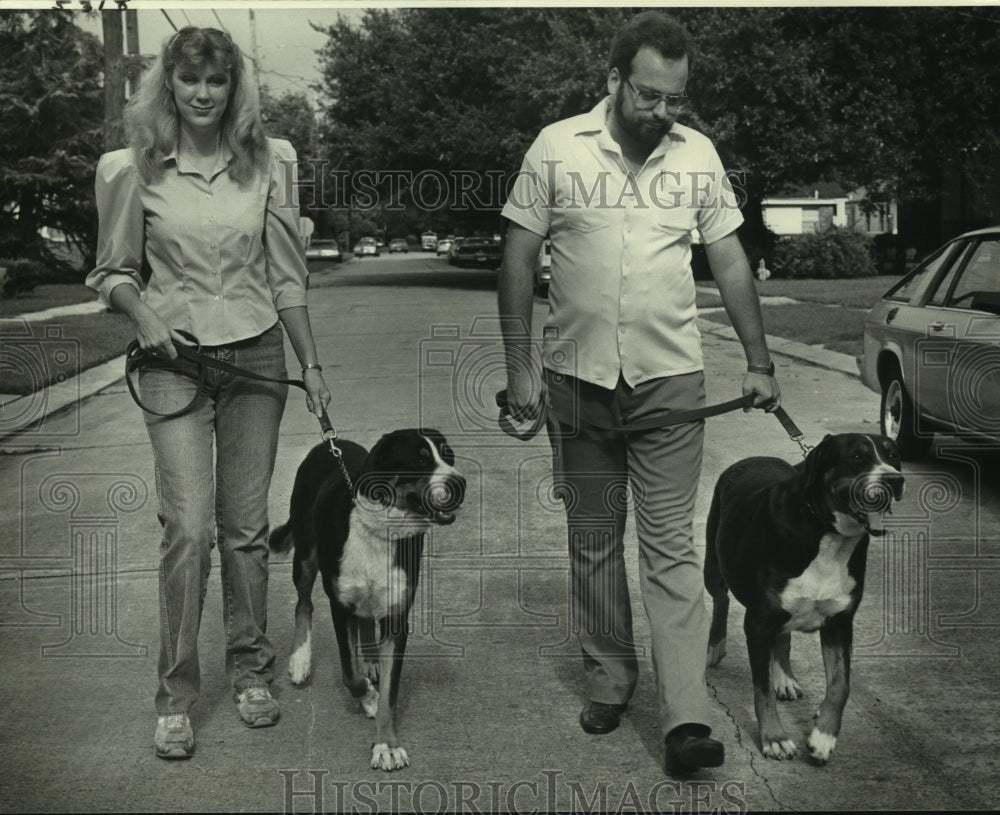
59, 397
833, 360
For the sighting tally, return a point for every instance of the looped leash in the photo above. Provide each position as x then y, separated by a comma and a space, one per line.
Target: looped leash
136, 358
654, 422
650, 423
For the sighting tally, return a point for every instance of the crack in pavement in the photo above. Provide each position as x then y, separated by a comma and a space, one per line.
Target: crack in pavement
751, 753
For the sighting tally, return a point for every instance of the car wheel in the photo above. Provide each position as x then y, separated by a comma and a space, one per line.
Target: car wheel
898, 418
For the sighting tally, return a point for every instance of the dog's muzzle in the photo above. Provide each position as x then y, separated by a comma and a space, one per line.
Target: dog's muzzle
875, 493
442, 497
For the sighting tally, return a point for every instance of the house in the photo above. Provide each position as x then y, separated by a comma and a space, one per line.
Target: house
827, 205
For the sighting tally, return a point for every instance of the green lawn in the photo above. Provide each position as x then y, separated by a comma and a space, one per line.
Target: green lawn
834, 327
58, 348
862, 292
48, 296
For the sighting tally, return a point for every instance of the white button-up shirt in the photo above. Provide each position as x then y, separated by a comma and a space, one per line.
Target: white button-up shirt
622, 295
222, 258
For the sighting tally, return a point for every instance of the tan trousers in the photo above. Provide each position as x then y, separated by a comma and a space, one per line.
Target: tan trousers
660, 468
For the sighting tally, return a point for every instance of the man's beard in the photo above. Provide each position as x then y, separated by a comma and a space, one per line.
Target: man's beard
648, 133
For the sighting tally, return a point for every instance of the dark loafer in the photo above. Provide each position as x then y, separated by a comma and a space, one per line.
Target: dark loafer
598, 717
688, 752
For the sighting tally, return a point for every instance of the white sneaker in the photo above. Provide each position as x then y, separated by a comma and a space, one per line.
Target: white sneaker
257, 708
174, 737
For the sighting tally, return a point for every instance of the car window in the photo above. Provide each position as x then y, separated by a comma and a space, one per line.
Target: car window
981, 275
940, 293
919, 277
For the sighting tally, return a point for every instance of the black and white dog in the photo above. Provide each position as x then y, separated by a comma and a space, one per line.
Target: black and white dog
791, 544
366, 542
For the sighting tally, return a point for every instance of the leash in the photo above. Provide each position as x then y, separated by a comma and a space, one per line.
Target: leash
653, 422
792, 430
136, 358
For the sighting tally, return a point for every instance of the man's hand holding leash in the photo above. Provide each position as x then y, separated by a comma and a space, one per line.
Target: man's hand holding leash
765, 390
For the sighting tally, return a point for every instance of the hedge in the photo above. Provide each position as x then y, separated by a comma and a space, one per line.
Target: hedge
830, 253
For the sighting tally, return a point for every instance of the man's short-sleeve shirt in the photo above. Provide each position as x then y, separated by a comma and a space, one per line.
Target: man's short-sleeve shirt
622, 294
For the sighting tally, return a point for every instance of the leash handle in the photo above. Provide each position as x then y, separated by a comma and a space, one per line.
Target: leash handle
507, 426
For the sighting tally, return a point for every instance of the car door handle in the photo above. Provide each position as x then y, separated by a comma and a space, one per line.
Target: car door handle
891, 315
938, 326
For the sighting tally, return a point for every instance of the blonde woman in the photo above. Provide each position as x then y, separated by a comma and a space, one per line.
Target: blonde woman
198, 233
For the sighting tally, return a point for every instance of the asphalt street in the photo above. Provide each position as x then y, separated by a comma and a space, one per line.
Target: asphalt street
492, 685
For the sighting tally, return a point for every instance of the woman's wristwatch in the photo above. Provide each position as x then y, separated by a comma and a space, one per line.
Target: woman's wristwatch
312, 366
767, 370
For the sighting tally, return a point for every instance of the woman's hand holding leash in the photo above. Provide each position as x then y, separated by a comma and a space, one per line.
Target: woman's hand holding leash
317, 393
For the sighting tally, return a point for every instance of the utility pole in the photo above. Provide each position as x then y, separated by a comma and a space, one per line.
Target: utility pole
253, 47
133, 68
114, 80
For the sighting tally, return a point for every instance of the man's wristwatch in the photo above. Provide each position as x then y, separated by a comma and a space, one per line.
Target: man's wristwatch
768, 370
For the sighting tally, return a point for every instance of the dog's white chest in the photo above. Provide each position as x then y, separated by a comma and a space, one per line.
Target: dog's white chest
823, 589
369, 580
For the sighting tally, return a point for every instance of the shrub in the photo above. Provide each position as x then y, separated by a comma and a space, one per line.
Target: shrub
19, 277
830, 253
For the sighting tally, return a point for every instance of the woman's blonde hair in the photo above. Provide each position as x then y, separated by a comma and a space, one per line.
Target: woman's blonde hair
151, 118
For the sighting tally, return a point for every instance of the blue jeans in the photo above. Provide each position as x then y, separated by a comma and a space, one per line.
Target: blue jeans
213, 473
594, 468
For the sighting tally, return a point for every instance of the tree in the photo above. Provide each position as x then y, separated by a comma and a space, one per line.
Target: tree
290, 116
51, 106
882, 98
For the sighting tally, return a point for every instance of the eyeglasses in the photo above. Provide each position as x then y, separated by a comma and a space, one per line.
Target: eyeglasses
647, 100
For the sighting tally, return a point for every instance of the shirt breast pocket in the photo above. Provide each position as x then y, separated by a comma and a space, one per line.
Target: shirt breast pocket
241, 243
676, 223
580, 218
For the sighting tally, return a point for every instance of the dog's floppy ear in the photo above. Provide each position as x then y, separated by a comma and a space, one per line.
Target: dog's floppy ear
376, 481
814, 464
438, 440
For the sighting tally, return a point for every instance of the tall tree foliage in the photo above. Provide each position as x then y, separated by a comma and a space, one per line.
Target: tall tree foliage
877, 97
51, 116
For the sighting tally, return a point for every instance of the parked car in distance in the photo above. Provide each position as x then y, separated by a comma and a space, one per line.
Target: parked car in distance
398, 245
367, 246
543, 269
453, 250
932, 346
428, 241
443, 246
477, 252
323, 249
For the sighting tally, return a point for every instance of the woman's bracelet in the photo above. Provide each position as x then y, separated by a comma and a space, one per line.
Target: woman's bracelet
311, 366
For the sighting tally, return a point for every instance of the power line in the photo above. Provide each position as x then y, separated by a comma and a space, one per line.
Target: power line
214, 12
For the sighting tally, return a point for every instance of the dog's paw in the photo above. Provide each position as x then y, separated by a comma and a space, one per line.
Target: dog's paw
820, 745
369, 702
716, 651
300, 664
389, 758
780, 748
787, 688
